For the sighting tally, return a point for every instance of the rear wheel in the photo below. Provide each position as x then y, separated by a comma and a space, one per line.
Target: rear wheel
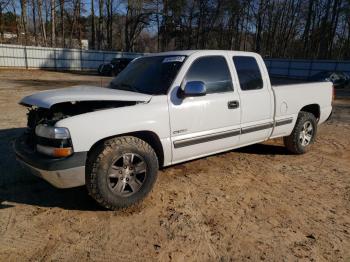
121, 172
303, 134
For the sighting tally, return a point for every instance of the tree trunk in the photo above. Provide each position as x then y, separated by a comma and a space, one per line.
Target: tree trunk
62, 24
245, 26
307, 26
41, 21
93, 29
100, 25
189, 28
158, 26
16, 20
111, 26
199, 23
34, 22
165, 27
334, 25
108, 23
24, 19
53, 24
1, 24
322, 50
259, 27
3, 6
75, 16
126, 31
79, 23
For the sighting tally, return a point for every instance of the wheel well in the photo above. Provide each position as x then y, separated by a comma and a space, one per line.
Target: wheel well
313, 109
148, 136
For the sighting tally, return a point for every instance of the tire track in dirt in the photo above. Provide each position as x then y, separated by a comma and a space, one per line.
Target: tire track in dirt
7, 221
24, 241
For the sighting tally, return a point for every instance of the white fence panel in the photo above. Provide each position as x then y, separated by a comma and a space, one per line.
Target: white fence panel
76, 59
12, 57
56, 58
39, 58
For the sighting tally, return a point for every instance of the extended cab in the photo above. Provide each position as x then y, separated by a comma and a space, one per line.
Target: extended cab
163, 109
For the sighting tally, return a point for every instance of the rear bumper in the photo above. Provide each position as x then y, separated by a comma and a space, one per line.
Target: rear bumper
329, 117
60, 172
326, 113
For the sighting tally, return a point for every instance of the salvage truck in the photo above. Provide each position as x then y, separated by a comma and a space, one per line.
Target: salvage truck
163, 109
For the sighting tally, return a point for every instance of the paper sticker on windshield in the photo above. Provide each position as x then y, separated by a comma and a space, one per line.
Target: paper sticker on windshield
174, 59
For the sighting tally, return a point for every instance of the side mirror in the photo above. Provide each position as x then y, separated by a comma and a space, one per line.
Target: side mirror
194, 88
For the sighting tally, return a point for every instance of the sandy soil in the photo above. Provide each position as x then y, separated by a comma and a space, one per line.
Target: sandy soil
254, 203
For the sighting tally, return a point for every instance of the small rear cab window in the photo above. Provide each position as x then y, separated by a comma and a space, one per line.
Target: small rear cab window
248, 72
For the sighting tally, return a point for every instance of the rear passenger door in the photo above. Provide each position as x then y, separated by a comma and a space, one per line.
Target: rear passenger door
256, 99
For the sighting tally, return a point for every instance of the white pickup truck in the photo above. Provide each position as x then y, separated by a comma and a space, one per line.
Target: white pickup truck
163, 109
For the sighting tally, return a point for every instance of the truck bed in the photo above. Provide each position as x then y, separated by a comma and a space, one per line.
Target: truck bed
291, 97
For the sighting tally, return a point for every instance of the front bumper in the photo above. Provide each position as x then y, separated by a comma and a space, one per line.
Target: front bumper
60, 172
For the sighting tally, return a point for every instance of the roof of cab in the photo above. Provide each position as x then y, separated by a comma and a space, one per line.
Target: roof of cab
190, 52
181, 52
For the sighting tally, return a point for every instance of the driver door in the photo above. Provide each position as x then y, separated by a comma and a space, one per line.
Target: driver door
203, 125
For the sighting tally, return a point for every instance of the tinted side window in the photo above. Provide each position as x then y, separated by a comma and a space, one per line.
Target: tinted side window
213, 71
248, 71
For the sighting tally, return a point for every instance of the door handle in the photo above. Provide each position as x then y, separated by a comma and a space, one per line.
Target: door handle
233, 104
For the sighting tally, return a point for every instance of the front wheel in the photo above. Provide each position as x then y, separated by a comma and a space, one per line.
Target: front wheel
303, 134
121, 172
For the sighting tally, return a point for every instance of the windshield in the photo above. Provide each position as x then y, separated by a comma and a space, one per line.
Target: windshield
149, 75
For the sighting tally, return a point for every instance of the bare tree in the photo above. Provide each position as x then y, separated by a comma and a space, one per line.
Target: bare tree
62, 2
34, 21
93, 25
333, 25
41, 21
137, 18
13, 5
24, 19
109, 24
79, 21
100, 24
76, 10
3, 6
53, 23
289, 28
324, 27
259, 24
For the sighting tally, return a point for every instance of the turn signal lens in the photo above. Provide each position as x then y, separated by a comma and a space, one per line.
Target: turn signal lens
55, 152
62, 152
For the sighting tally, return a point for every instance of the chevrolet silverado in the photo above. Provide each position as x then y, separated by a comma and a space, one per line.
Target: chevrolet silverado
163, 109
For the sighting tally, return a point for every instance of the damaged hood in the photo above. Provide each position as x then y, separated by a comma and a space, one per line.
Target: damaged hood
46, 99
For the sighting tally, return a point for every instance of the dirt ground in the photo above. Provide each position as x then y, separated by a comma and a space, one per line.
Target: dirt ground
254, 203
